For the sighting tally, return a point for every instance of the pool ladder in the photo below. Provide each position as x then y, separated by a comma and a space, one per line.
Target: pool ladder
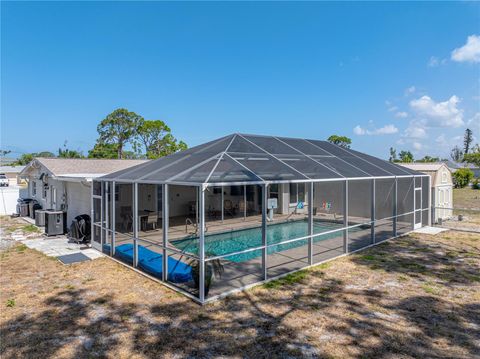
189, 221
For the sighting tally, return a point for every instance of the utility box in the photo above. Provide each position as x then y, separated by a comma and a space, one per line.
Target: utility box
40, 217
55, 223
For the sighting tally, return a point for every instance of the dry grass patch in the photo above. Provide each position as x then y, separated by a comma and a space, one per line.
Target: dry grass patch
417, 296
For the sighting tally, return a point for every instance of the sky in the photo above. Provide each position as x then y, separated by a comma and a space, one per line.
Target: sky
397, 74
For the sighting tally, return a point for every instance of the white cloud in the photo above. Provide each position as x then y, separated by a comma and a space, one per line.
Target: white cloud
475, 121
401, 114
438, 114
392, 108
358, 130
435, 61
417, 146
415, 130
470, 52
385, 130
410, 90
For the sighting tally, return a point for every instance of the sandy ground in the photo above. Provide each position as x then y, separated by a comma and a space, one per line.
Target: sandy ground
416, 296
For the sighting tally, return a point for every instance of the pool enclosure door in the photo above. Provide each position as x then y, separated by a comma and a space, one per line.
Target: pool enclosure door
418, 208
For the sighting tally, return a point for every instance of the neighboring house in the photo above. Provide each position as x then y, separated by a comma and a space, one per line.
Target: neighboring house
65, 184
12, 173
441, 186
453, 166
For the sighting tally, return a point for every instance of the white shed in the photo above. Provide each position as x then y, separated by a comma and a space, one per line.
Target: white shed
441, 187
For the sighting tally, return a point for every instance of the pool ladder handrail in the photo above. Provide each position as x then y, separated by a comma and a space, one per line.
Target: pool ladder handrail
189, 221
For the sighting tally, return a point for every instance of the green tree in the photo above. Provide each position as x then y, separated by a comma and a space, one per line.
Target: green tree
456, 154
44, 154
67, 153
406, 156
462, 177
393, 155
104, 150
119, 128
467, 140
473, 157
342, 141
156, 138
24, 159
429, 159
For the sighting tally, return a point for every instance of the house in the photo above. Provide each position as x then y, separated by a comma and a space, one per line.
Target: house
12, 173
65, 183
441, 187
453, 166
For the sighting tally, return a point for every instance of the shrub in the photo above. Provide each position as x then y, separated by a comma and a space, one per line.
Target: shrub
462, 177
476, 183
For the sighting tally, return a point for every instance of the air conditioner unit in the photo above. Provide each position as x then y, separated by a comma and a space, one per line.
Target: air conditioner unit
55, 223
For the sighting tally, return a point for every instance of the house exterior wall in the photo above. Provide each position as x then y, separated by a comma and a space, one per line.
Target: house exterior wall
78, 199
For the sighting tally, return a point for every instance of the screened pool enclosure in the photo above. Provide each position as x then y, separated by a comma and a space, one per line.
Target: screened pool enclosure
243, 209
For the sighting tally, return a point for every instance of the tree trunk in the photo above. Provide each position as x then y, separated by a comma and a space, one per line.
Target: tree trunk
120, 150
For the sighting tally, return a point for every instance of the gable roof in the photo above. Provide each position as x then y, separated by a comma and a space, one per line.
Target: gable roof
426, 167
79, 167
242, 158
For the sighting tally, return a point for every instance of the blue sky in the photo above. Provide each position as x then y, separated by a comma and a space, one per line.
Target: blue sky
405, 75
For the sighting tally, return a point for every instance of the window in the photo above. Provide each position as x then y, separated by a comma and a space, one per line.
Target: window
34, 188
297, 193
44, 192
444, 177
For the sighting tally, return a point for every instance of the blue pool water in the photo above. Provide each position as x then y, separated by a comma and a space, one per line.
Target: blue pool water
235, 241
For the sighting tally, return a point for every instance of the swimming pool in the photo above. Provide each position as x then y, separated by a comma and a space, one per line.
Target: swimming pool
236, 241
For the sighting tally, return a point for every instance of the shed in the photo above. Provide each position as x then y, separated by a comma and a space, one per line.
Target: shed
441, 187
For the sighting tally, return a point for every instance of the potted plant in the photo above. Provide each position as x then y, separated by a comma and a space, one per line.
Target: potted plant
212, 268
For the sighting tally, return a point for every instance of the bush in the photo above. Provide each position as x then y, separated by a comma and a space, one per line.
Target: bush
476, 183
462, 177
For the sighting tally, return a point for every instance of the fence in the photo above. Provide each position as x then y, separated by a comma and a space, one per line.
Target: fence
466, 219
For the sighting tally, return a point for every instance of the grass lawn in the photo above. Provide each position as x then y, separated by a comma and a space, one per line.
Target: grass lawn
466, 202
416, 296
466, 198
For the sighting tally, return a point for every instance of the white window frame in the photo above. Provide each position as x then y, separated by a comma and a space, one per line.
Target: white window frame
444, 177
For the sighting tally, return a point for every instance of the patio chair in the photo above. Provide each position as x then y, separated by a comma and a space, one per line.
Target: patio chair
152, 219
228, 207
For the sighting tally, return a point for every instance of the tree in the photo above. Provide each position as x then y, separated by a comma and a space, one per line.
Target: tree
119, 128
393, 155
156, 138
104, 150
429, 159
406, 156
165, 146
467, 140
342, 141
44, 154
24, 159
3, 153
67, 153
473, 157
456, 154
462, 177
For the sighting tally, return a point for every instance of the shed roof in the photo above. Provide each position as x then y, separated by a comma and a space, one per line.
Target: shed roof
241, 158
425, 167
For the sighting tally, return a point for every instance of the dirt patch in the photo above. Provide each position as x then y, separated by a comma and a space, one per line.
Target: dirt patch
417, 296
